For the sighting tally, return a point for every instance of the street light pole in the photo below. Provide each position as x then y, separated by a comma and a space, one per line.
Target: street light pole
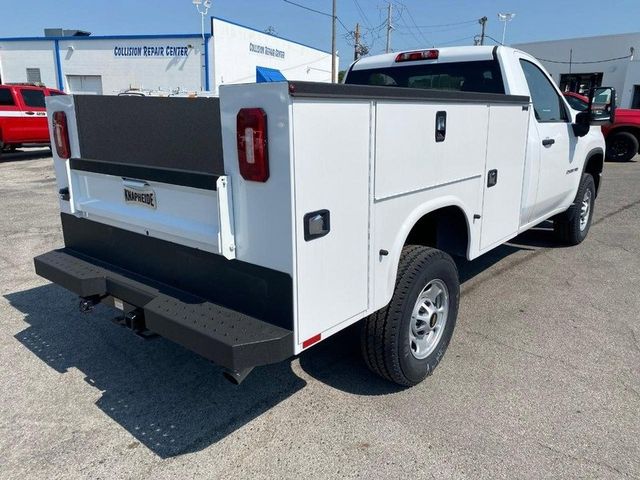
203, 9
505, 17
334, 55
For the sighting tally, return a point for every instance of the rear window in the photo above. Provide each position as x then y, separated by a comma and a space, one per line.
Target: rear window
478, 76
6, 99
33, 98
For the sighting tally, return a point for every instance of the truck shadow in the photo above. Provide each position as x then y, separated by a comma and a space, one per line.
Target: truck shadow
20, 155
170, 399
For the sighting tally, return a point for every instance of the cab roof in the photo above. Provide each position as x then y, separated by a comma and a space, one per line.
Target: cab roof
445, 55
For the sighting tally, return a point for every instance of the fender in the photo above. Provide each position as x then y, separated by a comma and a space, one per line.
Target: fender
411, 220
592, 153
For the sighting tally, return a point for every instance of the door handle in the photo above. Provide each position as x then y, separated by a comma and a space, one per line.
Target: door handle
492, 178
441, 126
30, 113
547, 142
135, 184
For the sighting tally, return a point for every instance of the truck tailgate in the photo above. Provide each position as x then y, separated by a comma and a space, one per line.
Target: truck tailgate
153, 166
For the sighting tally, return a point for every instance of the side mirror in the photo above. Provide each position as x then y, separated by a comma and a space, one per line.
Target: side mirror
601, 110
602, 105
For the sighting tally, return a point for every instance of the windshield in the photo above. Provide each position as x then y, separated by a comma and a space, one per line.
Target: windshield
478, 76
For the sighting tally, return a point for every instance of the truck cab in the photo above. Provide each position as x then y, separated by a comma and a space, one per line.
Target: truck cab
554, 153
23, 115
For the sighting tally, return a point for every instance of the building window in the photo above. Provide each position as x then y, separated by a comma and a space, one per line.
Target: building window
33, 75
580, 82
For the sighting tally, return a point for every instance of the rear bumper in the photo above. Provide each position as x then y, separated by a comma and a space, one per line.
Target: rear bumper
229, 338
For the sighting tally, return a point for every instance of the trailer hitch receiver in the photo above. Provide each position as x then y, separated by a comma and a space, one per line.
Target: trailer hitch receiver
87, 304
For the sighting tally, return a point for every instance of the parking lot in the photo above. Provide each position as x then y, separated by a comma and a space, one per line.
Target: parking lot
541, 380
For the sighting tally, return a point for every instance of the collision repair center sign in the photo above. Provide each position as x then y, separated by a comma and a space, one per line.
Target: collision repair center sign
265, 50
151, 51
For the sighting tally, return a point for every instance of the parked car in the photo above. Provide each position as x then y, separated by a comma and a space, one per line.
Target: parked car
622, 136
23, 116
296, 209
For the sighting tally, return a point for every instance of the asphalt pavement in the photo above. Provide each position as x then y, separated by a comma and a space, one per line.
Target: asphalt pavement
541, 380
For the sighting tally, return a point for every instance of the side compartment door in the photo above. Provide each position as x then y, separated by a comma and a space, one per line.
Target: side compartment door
504, 173
331, 162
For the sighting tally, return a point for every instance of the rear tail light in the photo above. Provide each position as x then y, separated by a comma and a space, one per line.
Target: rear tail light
253, 152
418, 55
61, 135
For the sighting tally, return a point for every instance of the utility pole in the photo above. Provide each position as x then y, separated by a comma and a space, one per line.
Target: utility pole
356, 52
389, 27
333, 44
483, 22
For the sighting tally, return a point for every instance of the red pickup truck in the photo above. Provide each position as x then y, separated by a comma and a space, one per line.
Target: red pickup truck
23, 116
622, 136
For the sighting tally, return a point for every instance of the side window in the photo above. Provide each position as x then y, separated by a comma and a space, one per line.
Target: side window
547, 104
576, 103
33, 98
6, 99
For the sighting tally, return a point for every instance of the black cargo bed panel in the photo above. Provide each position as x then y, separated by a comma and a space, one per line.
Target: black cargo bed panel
160, 132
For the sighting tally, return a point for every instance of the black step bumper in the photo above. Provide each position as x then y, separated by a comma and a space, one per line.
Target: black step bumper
229, 338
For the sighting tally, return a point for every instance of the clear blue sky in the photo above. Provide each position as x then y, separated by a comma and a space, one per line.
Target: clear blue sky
439, 21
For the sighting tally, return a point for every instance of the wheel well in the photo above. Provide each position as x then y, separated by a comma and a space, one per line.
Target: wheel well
444, 229
594, 167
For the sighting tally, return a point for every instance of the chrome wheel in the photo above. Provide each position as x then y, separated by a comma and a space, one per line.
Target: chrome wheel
585, 210
428, 319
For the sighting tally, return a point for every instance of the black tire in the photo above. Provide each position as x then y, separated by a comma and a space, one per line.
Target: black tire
622, 146
567, 225
385, 335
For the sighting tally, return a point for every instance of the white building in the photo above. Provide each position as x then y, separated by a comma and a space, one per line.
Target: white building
106, 65
577, 64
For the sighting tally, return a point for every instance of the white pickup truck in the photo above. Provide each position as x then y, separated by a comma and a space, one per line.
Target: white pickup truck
250, 227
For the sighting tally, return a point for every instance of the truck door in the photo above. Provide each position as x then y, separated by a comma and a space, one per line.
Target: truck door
9, 114
551, 123
33, 124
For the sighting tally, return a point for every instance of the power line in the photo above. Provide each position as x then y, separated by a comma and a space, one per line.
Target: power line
447, 24
364, 15
414, 22
586, 63
456, 40
319, 12
410, 30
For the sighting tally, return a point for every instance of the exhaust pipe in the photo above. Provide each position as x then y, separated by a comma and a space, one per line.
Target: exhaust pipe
236, 376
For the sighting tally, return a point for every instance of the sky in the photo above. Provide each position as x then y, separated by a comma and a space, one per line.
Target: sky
417, 23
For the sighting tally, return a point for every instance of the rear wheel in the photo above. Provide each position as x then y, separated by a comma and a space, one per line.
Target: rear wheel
622, 146
572, 226
405, 341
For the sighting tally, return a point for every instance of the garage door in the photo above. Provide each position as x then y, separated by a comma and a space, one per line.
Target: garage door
85, 84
